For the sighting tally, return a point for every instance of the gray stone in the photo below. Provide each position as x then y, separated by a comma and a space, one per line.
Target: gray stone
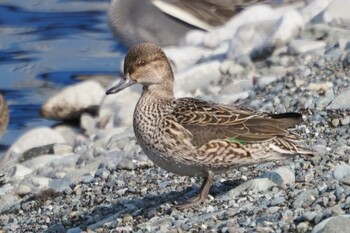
345, 120
339, 224
303, 227
337, 13
23, 189
341, 171
341, 101
305, 198
306, 46
74, 230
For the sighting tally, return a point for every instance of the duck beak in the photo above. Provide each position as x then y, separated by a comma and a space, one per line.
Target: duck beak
123, 83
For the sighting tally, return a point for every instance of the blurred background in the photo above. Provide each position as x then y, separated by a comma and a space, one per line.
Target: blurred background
44, 46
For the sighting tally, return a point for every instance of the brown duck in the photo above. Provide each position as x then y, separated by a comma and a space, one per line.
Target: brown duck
192, 137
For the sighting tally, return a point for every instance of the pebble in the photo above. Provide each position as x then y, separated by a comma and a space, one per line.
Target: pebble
341, 171
302, 227
304, 199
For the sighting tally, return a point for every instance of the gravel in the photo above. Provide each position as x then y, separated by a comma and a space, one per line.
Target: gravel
100, 181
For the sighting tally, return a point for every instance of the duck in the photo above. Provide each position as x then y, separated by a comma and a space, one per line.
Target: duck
4, 115
198, 138
166, 22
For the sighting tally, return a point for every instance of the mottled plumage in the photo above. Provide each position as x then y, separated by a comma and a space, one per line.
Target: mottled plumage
193, 137
4, 115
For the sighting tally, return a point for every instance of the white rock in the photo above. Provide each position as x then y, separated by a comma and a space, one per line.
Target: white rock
341, 171
118, 109
249, 15
199, 76
107, 136
18, 172
282, 175
306, 46
33, 138
40, 161
23, 189
260, 39
337, 13
314, 8
88, 123
68, 132
40, 182
73, 100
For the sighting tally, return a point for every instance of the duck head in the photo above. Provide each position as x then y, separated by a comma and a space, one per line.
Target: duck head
145, 64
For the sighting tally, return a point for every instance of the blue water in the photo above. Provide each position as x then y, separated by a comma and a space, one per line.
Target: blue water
44, 44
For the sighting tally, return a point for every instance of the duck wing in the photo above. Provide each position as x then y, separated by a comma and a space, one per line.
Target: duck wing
205, 14
208, 121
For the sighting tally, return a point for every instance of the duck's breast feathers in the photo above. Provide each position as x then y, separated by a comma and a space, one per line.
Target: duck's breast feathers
209, 121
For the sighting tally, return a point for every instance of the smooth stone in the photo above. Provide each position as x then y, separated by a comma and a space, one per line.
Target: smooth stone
305, 198
184, 58
74, 230
23, 190
345, 120
88, 123
237, 86
325, 100
337, 13
41, 161
313, 9
260, 39
335, 122
341, 101
341, 171
113, 110
342, 221
39, 182
303, 227
301, 46
282, 175
266, 80
34, 138
68, 132
320, 87
19, 172
201, 76
249, 15
72, 101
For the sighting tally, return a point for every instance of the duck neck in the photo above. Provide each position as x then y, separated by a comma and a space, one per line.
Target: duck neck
159, 91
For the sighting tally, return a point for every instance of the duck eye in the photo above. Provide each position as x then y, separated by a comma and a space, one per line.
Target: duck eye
142, 63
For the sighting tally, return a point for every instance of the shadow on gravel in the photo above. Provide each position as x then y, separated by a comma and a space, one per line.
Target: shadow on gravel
136, 210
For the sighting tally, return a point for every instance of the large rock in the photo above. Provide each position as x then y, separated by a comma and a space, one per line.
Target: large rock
260, 39
337, 13
33, 138
118, 109
73, 100
339, 224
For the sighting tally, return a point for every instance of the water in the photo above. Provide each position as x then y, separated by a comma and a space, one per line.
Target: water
44, 44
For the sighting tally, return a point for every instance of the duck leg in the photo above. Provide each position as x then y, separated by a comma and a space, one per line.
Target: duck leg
203, 195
